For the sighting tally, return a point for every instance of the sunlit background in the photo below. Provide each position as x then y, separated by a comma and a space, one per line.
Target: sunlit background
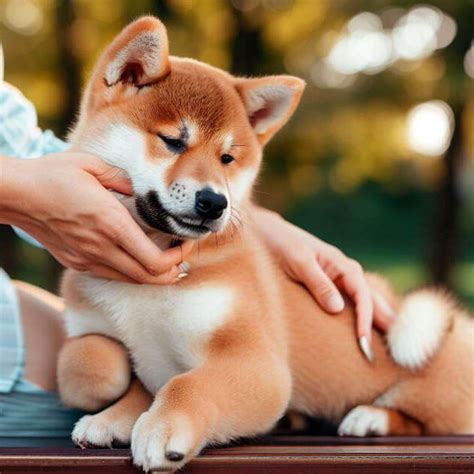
379, 157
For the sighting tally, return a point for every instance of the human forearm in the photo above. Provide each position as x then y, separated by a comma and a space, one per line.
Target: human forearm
13, 191
325, 271
83, 225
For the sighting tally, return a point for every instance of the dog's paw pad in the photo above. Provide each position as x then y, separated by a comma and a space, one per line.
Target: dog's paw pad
365, 421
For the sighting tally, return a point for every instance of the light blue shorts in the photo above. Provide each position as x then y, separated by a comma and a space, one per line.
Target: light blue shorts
25, 409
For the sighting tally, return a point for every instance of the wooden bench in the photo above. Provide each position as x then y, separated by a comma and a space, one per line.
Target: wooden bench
277, 454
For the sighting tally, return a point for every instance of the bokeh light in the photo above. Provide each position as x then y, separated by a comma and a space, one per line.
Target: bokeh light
430, 128
23, 16
368, 46
469, 61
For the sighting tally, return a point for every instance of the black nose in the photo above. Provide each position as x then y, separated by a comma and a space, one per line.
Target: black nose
209, 204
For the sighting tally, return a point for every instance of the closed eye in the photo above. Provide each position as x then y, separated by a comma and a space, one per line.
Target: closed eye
175, 145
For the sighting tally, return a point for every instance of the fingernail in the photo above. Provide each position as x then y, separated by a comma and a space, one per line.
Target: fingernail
365, 348
335, 303
184, 266
180, 277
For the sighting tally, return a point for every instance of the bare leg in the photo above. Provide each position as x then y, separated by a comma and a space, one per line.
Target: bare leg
41, 315
115, 423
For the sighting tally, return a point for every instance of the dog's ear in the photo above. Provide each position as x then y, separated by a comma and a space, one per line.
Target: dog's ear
270, 101
138, 56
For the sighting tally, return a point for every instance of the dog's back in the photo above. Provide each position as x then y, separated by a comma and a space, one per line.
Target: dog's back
423, 368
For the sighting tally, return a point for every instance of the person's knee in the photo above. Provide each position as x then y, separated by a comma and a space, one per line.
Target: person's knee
93, 371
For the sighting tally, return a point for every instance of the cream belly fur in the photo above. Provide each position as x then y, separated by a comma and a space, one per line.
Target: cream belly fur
164, 328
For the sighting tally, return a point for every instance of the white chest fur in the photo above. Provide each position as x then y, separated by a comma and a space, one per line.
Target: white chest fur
164, 328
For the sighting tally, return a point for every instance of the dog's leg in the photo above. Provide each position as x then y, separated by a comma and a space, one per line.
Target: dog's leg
93, 371
368, 420
226, 398
115, 423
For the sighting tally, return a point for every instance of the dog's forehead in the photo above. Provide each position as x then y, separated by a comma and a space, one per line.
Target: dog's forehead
198, 101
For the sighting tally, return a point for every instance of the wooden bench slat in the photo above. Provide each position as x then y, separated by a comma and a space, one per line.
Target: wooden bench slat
288, 455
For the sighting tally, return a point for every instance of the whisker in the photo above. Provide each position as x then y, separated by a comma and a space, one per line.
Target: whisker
261, 192
239, 220
235, 209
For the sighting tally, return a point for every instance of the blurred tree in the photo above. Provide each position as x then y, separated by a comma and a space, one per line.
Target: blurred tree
446, 232
246, 46
70, 72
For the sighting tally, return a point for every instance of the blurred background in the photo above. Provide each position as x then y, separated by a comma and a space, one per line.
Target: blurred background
378, 159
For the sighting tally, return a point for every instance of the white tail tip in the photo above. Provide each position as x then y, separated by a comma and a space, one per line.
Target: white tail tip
423, 319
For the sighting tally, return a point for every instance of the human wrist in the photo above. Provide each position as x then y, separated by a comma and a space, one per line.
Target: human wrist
269, 225
13, 190
267, 217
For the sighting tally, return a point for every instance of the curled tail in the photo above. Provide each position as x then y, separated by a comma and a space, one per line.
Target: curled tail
424, 317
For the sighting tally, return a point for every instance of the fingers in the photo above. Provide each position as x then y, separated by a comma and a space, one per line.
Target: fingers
358, 290
384, 314
173, 275
109, 176
118, 265
322, 287
349, 277
136, 243
108, 273
121, 262
116, 179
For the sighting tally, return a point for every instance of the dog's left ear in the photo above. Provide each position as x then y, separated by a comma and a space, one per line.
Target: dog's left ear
270, 101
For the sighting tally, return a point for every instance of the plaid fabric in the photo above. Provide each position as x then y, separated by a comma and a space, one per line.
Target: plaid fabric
11, 336
20, 136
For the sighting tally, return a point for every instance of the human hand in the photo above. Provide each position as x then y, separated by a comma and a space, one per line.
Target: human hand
326, 272
62, 200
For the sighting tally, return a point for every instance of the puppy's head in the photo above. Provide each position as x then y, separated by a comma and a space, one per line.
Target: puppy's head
189, 135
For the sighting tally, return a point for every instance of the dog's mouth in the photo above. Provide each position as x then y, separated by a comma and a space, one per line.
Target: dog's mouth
151, 210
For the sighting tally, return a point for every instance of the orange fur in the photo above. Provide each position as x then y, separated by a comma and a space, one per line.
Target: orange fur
276, 349
82, 379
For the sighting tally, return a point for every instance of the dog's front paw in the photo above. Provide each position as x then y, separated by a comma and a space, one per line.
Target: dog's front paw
365, 420
163, 443
101, 430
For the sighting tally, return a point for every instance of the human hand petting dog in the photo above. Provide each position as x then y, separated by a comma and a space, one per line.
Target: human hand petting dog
326, 272
62, 201
85, 228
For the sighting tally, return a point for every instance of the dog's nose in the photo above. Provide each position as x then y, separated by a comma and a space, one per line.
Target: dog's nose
209, 204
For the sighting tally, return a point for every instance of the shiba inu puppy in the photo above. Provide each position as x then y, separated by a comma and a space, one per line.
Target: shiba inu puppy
232, 346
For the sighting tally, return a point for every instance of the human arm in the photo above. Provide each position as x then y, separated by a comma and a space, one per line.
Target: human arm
326, 272
61, 199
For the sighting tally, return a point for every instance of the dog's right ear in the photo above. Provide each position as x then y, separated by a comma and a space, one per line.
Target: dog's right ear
138, 56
